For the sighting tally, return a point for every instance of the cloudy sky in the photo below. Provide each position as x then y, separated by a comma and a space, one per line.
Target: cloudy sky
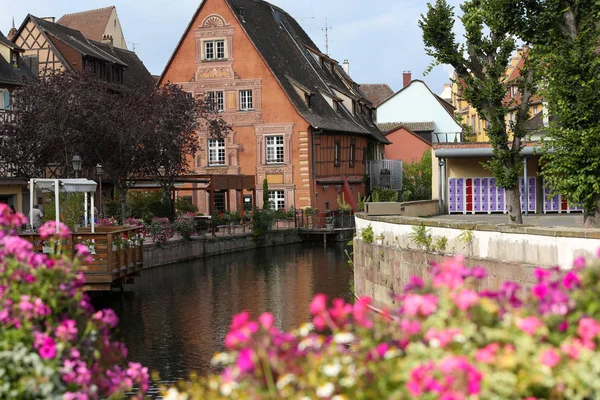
380, 38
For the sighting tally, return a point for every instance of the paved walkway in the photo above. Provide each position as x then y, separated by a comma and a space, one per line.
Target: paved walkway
569, 220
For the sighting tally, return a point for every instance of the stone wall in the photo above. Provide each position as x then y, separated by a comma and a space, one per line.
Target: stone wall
507, 252
179, 250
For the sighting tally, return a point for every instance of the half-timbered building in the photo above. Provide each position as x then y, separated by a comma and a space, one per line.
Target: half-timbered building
299, 121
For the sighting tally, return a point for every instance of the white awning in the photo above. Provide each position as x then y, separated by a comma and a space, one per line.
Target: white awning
81, 185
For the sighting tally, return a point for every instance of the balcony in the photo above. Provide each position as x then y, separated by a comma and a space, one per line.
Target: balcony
7, 116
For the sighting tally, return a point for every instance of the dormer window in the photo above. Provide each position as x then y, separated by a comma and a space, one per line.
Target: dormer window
338, 105
14, 59
214, 49
307, 100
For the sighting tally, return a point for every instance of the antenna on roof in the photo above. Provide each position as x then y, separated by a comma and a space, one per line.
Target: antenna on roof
326, 30
134, 45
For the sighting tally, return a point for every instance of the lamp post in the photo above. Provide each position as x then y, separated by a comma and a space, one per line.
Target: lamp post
77, 164
99, 172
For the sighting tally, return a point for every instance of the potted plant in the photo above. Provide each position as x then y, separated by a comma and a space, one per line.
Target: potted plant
46, 247
329, 223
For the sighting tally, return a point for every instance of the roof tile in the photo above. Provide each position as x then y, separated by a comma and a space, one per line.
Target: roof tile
92, 23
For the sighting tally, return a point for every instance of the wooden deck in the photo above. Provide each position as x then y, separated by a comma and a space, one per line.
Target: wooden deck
110, 265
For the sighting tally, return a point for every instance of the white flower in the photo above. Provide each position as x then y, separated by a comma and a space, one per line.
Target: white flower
338, 397
391, 353
460, 338
332, 370
173, 394
325, 390
306, 329
348, 381
435, 343
343, 338
221, 359
227, 388
285, 380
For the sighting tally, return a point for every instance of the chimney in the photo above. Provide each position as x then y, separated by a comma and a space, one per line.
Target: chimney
241, 13
108, 39
406, 78
49, 19
346, 66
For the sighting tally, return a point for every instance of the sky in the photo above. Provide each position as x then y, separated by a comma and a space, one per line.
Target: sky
380, 38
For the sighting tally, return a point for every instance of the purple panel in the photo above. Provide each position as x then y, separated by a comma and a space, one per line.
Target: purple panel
460, 182
485, 182
451, 182
555, 203
532, 205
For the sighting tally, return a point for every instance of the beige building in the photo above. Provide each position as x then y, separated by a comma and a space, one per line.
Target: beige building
96, 25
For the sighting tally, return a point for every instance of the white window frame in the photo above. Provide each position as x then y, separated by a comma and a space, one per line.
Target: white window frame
246, 100
277, 199
275, 149
216, 98
214, 49
216, 152
3, 97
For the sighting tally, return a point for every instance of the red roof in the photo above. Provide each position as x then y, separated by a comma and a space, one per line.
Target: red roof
92, 23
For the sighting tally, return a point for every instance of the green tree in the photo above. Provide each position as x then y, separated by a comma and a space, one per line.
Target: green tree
480, 64
416, 179
565, 35
266, 200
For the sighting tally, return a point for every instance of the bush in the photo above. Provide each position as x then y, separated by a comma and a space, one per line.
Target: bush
72, 208
160, 230
185, 225
262, 221
446, 339
183, 205
381, 195
52, 343
416, 179
147, 205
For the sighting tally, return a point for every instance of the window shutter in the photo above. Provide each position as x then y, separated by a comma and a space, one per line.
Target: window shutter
6, 100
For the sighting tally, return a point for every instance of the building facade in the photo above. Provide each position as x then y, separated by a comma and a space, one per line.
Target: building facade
298, 120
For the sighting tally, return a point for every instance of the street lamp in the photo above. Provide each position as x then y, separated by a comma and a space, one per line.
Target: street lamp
99, 172
77, 164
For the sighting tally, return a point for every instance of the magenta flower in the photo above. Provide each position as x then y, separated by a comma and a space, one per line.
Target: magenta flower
487, 355
40, 309
47, 348
362, 312
76, 396
138, 374
410, 327
107, 316
319, 304
49, 230
83, 252
245, 360
588, 329
579, 263
550, 358
530, 325
570, 280
416, 304
540, 290
266, 320
67, 330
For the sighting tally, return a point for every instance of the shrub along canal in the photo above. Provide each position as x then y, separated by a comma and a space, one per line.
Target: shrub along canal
175, 317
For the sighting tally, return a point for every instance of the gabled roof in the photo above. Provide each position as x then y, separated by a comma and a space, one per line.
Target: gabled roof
290, 55
388, 127
377, 93
447, 106
92, 23
425, 137
4, 41
73, 39
9, 75
136, 74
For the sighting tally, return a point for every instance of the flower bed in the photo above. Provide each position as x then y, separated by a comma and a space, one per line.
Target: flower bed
53, 344
445, 340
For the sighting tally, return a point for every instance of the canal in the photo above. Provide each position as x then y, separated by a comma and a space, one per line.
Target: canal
175, 317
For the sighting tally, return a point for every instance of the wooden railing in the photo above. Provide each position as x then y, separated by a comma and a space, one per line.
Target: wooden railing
111, 264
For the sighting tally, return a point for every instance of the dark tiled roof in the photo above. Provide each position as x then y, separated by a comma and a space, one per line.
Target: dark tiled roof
8, 43
284, 46
92, 23
136, 74
387, 127
9, 75
75, 39
377, 93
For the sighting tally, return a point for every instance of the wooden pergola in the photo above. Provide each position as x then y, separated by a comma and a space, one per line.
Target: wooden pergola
210, 183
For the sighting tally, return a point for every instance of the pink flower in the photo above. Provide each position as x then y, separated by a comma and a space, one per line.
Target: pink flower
443, 336
579, 263
450, 273
540, 290
570, 280
83, 252
550, 358
75, 396
588, 329
245, 360
266, 320
40, 309
572, 349
138, 374
410, 327
45, 345
529, 325
381, 349
107, 316
49, 230
361, 312
319, 304
416, 304
466, 299
487, 355
67, 330
542, 274
25, 305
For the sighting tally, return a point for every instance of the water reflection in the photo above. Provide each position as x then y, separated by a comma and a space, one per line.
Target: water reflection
175, 318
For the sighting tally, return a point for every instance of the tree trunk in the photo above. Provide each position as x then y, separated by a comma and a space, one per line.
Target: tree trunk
591, 219
123, 199
513, 205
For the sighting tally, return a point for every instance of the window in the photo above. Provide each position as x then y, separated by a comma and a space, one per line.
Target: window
215, 101
275, 154
277, 199
4, 100
352, 154
15, 59
336, 154
307, 99
246, 100
214, 50
216, 152
219, 202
